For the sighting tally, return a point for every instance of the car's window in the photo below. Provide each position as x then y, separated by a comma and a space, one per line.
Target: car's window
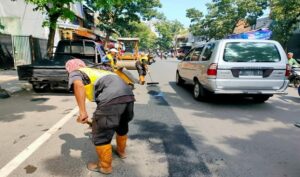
208, 52
196, 54
251, 52
189, 55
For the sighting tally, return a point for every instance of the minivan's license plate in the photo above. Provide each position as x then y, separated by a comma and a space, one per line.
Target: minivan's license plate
251, 73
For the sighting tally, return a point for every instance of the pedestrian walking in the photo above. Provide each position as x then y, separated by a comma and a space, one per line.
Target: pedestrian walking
115, 102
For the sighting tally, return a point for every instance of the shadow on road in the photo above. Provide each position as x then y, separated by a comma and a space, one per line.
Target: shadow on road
15, 107
235, 108
163, 125
181, 154
75, 153
267, 139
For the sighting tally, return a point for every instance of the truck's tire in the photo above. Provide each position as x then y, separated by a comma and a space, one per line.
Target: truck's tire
37, 88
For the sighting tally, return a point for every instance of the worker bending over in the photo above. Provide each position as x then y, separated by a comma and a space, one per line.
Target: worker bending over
115, 102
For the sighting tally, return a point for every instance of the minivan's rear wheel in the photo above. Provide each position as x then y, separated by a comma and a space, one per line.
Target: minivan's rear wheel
179, 80
200, 93
261, 98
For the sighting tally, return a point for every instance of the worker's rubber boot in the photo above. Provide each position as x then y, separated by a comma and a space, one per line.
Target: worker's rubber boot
142, 80
105, 160
121, 145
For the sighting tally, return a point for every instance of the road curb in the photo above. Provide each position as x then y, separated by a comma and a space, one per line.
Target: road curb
7, 92
4, 94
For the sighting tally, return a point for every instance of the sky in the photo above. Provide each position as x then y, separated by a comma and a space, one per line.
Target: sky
176, 9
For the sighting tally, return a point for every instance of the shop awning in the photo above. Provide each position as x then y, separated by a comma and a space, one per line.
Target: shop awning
85, 33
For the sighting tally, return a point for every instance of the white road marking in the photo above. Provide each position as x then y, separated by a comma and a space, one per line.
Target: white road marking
20, 158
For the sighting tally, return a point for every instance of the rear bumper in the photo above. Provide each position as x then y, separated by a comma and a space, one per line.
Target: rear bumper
213, 88
251, 92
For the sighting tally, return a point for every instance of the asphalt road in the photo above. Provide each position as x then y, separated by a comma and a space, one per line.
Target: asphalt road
171, 134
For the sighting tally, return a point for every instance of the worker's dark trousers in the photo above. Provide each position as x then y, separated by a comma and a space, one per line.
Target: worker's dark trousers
140, 68
110, 119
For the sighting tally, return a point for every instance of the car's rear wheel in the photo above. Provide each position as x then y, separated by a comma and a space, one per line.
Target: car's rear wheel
261, 98
179, 80
199, 92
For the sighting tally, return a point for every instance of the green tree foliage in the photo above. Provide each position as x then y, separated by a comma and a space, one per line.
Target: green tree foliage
223, 16
115, 15
54, 9
142, 31
1, 26
286, 16
167, 30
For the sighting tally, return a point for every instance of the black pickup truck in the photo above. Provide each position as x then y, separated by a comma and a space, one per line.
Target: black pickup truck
50, 73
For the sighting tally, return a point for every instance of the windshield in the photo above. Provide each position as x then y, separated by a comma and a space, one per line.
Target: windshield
251, 52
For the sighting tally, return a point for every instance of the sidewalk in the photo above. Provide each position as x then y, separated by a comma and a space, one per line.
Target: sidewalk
9, 82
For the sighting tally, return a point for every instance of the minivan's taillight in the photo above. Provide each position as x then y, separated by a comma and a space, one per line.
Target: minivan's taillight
212, 69
288, 70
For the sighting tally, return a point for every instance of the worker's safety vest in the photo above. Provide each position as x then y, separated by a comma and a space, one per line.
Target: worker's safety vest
94, 75
111, 60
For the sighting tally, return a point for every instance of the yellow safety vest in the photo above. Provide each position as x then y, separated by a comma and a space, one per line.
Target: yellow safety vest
143, 58
94, 75
111, 60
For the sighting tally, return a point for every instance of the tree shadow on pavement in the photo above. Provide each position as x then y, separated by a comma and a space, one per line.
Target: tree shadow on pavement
11, 110
235, 108
266, 142
181, 154
162, 124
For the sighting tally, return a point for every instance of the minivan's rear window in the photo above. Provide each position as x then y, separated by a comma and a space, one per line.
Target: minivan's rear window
251, 52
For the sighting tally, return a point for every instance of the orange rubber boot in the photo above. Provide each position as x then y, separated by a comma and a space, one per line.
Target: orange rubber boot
121, 145
142, 80
105, 160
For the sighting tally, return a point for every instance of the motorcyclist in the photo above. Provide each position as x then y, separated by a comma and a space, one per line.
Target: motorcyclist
294, 64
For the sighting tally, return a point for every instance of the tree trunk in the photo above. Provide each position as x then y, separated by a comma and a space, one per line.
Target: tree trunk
106, 42
50, 42
52, 29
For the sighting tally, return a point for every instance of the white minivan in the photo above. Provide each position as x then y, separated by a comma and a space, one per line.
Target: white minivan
255, 68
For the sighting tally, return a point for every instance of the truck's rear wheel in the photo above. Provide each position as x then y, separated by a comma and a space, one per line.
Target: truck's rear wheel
38, 88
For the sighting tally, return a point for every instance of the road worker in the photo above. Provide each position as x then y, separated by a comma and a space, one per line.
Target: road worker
110, 58
142, 67
115, 102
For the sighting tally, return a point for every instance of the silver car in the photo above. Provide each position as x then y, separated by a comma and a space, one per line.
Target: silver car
255, 68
